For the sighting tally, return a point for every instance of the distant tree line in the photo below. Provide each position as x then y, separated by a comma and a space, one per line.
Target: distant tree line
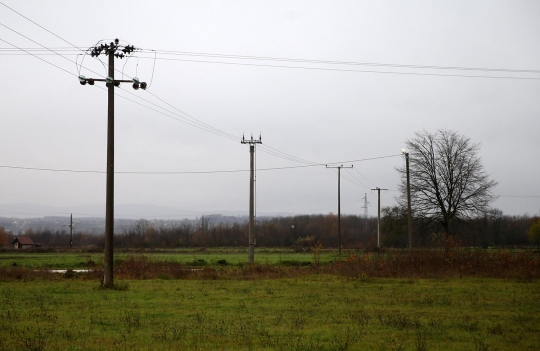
492, 229
303, 232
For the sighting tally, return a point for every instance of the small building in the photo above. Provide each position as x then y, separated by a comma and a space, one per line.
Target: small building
24, 242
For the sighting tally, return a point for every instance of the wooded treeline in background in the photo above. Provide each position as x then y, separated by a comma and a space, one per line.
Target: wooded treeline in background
300, 232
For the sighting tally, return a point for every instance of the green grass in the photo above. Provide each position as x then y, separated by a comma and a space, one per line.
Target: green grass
194, 257
314, 312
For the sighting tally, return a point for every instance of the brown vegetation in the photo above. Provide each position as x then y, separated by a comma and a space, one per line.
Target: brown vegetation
432, 263
422, 263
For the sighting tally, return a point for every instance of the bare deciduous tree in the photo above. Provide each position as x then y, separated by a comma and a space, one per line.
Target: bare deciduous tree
447, 178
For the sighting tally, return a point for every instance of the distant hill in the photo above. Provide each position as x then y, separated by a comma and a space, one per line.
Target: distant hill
91, 218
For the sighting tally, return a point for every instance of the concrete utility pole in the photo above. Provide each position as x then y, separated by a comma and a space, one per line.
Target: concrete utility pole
71, 230
339, 203
119, 51
379, 216
252, 142
71, 226
409, 210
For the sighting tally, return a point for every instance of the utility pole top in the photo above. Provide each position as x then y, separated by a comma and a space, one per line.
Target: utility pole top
342, 166
113, 50
252, 141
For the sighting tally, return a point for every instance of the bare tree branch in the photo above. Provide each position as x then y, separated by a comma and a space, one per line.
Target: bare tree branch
447, 178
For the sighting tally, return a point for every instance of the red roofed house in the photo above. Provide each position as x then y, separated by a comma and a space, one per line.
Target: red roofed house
24, 242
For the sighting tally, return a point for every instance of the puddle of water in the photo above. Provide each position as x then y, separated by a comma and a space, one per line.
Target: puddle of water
90, 270
65, 270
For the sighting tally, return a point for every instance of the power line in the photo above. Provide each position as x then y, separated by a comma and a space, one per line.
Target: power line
356, 70
346, 70
356, 179
65, 170
181, 119
205, 125
196, 123
20, 14
191, 121
274, 152
45, 48
216, 131
296, 60
348, 179
287, 60
192, 124
39, 58
364, 177
24, 36
350, 63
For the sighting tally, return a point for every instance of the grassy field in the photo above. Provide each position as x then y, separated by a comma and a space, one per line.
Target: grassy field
314, 312
191, 257
187, 300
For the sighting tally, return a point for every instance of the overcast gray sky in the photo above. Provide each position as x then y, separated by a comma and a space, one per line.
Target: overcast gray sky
334, 113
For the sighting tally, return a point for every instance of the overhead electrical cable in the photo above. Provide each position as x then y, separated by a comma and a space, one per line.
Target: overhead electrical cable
56, 53
356, 179
521, 196
345, 70
206, 127
282, 59
268, 148
346, 178
364, 178
39, 58
195, 122
45, 29
187, 172
350, 63
191, 121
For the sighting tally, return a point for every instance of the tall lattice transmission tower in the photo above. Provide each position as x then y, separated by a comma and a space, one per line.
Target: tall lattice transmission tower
365, 207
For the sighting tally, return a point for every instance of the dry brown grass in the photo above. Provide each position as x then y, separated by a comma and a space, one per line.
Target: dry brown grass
420, 263
433, 263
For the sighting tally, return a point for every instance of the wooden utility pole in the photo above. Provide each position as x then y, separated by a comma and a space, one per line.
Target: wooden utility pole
109, 196
113, 50
252, 142
339, 203
409, 210
379, 216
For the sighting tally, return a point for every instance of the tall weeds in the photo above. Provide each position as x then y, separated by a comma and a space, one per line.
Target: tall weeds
433, 263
